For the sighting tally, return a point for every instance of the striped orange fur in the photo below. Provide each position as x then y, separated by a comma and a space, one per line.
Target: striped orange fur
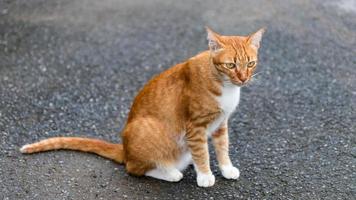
102, 148
176, 112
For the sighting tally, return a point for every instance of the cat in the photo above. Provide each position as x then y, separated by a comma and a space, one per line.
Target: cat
176, 112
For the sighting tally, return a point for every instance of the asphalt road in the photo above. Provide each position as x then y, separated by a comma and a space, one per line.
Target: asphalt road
72, 68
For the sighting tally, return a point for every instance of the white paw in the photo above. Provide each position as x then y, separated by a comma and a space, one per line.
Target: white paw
167, 174
175, 176
205, 180
230, 172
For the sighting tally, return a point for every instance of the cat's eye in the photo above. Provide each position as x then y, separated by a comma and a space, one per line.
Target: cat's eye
230, 65
251, 64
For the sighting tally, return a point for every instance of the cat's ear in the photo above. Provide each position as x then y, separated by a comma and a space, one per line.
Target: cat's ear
255, 39
213, 38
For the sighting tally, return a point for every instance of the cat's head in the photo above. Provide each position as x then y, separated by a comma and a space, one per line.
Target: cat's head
235, 57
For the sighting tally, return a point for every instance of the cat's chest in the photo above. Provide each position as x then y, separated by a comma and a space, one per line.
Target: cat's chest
229, 99
227, 102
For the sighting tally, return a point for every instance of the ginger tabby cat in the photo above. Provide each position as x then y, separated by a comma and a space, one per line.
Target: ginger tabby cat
176, 112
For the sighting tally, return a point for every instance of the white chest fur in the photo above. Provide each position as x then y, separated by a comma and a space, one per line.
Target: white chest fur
228, 102
229, 98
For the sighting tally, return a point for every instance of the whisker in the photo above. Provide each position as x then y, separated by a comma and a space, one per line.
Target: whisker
256, 74
255, 80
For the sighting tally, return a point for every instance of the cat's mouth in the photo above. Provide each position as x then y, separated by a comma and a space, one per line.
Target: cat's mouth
236, 81
239, 83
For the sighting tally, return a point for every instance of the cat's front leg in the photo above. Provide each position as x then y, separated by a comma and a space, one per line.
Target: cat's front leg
198, 144
221, 143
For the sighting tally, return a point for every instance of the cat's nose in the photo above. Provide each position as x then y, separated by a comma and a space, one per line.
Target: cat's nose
243, 79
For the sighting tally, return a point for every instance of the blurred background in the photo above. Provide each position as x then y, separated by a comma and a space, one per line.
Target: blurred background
73, 67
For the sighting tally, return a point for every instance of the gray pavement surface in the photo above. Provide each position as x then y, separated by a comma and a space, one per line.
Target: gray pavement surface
73, 67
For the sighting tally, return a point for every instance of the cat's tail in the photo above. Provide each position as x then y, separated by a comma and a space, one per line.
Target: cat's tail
108, 150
